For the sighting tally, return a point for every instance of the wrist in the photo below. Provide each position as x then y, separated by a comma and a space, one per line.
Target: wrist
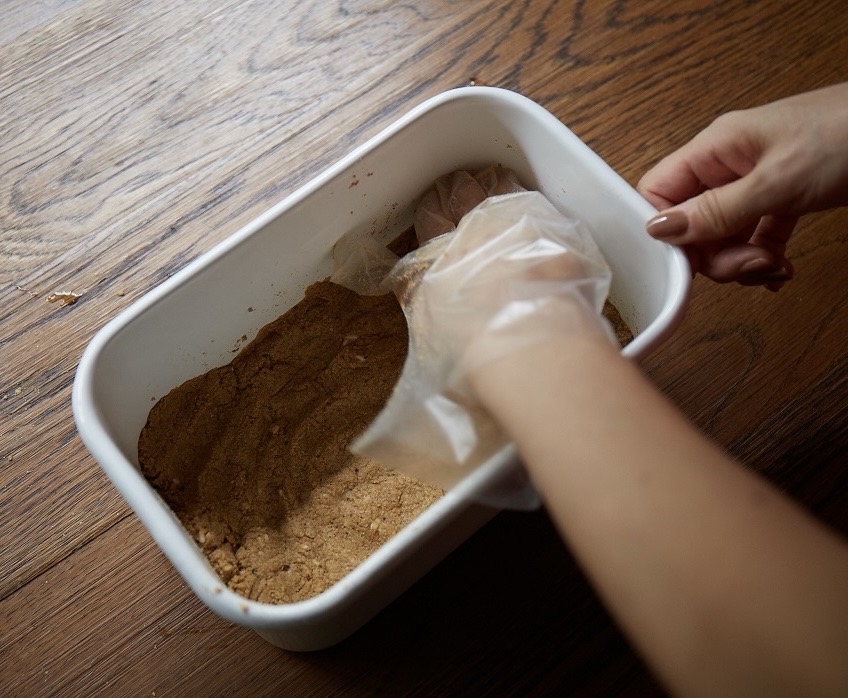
512, 354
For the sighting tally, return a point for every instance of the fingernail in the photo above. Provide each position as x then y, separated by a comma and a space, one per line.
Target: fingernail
667, 224
764, 278
778, 280
776, 276
757, 264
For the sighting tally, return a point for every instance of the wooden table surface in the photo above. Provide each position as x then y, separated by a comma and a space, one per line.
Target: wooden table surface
136, 135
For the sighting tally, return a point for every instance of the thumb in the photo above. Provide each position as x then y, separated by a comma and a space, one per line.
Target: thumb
716, 214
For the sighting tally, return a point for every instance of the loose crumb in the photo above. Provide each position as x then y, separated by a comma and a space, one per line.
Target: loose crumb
64, 297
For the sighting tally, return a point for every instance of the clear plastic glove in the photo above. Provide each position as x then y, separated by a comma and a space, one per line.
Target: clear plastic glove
516, 272
362, 264
455, 194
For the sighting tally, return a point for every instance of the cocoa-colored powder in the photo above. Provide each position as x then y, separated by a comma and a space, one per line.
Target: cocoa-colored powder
253, 458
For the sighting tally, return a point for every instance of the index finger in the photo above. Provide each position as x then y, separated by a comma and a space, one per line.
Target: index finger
721, 153
669, 182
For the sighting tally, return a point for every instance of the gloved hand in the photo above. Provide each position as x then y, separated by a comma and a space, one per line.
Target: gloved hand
455, 194
362, 264
515, 272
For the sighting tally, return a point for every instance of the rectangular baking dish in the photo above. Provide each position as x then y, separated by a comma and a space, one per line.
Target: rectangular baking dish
194, 321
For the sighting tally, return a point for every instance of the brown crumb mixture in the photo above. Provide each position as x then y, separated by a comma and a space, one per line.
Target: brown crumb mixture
253, 458
622, 331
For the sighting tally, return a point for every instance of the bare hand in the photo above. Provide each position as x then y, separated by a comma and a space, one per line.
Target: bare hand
733, 195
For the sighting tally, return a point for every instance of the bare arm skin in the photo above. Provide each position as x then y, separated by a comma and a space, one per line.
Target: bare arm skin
723, 584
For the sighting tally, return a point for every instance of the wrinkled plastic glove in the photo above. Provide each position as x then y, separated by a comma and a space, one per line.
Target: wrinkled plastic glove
516, 272
455, 194
362, 264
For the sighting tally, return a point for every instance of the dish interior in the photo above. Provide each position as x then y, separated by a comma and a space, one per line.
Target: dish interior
205, 314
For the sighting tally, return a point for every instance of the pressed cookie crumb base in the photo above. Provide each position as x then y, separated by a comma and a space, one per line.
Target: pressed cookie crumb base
253, 457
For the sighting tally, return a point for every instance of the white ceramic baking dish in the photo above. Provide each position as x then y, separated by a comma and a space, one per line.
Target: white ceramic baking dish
194, 320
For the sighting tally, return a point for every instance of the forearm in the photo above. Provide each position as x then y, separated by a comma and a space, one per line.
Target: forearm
724, 584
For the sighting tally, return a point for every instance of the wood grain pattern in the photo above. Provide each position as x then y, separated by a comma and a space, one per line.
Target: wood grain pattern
19, 16
133, 136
